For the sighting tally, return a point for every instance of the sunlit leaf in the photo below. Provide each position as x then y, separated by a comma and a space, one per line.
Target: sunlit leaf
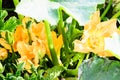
38, 9
1, 68
11, 24
3, 14
41, 10
113, 45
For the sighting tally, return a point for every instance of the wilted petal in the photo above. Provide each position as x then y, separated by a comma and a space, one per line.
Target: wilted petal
90, 27
106, 28
3, 54
80, 47
4, 43
25, 50
27, 54
105, 53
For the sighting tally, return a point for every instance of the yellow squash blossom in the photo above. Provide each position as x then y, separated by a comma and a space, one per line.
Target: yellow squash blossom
37, 31
20, 35
29, 53
95, 32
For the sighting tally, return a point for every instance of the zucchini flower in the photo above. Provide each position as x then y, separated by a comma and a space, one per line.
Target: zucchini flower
96, 35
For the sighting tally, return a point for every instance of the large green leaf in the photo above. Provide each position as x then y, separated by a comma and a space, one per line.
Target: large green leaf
99, 69
112, 44
80, 10
39, 9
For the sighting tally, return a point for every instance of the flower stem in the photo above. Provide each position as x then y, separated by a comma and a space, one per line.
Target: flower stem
80, 60
72, 72
50, 44
61, 26
116, 15
106, 10
87, 56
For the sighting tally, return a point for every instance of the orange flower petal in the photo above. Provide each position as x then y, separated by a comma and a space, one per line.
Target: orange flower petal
20, 35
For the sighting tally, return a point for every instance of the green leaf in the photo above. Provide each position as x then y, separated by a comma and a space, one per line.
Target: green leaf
20, 78
2, 77
3, 14
116, 6
38, 9
9, 37
10, 76
99, 69
20, 68
40, 74
33, 76
80, 10
11, 24
53, 73
1, 68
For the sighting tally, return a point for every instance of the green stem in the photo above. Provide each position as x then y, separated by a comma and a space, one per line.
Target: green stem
72, 72
72, 27
50, 44
61, 25
9, 9
106, 10
87, 56
0, 4
80, 60
116, 15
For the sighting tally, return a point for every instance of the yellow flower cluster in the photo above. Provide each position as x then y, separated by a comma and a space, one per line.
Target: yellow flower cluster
31, 43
